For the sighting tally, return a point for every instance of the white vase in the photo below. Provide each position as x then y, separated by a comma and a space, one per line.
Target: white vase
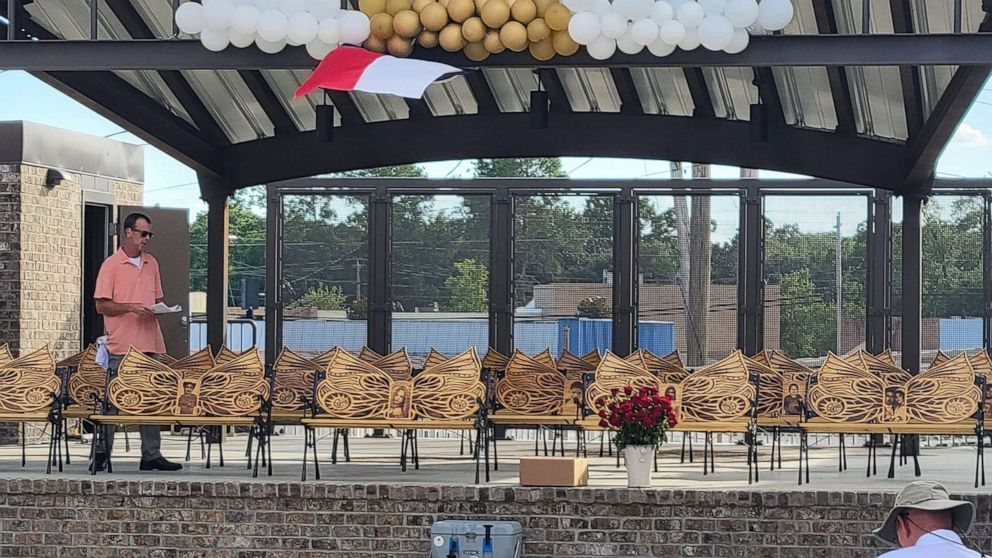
640, 460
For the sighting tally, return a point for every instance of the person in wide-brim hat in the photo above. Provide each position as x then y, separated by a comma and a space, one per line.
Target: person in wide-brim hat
925, 517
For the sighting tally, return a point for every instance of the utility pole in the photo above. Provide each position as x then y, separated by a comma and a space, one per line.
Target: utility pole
358, 279
839, 278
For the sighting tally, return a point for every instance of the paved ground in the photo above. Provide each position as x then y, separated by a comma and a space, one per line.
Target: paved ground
377, 460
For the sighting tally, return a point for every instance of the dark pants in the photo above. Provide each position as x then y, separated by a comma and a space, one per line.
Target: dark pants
151, 435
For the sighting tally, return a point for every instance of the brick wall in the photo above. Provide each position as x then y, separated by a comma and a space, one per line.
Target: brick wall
56, 517
51, 275
128, 193
10, 250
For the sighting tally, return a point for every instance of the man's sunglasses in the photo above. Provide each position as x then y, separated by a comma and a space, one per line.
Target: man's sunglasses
144, 234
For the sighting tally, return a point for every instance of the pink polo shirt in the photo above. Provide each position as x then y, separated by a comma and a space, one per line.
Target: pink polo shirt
121, 281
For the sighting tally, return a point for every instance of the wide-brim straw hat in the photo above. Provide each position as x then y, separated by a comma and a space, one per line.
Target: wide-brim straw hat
930, 496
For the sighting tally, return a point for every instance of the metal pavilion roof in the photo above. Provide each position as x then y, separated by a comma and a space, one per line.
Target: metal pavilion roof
237, 124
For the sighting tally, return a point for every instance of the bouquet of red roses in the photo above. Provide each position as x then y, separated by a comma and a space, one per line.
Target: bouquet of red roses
639, 417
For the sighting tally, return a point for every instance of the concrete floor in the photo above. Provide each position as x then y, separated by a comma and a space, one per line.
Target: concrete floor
377, 460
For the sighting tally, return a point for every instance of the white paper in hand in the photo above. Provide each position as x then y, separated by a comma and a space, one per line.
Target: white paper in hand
161, 308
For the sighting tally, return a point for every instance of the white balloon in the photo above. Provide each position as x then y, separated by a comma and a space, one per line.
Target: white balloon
245, 20
644, 31
676, 4
690, 41
269, 47
576, 6
265, 5
584, 28
614, 26
640, 9
329, 31
354, 26
662, 13
189, 18
272, 26
302, 29
623, 7
244, 2
217, 13
318, 49
241, 40
601, 7
741, 13
739, 42
691, 15
323, 9
660, 48
602, 48
214, 39
716, 32
628, 45
775, 14
672, 32
713, 7
290, 7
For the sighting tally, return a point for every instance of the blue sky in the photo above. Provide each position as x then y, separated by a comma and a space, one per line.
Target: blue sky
171, 184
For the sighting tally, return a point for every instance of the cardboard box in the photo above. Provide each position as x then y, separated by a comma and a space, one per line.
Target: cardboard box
554, 471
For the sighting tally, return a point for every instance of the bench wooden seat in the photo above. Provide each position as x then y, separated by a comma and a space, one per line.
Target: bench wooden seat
353, 392
864, 394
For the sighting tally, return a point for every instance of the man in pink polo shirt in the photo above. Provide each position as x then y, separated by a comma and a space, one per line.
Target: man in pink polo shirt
127, 287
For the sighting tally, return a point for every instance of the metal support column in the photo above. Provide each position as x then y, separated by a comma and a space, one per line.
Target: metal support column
750, 276
273, 275
380, 313
987, 270
912, 281
501, 272
217, 261
624, 272
878, 330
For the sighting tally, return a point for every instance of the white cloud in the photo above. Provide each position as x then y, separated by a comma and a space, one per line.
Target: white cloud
970, 137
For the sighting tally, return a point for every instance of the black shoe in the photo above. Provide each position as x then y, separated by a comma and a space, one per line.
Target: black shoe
100, 463
159, 464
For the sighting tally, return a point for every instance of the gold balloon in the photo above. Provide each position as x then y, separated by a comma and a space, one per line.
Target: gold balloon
542, 50
434, 17
382, 26
537, 30
523, 11
476, 52
399, 46
557, 16
478, 5
513, 35
407, 24
542, 6
372, 7
493, 43
445, 4
564, 44
495, 13
394, 7
375, 44
427, 39
451, 38
419, 5
474, 30
460, 10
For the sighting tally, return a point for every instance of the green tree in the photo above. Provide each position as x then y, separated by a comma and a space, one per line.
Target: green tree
246, 256
519, 168
468, 288
809, 328
594, 307
322, 297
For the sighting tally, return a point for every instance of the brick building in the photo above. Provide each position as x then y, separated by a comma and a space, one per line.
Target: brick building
59, 191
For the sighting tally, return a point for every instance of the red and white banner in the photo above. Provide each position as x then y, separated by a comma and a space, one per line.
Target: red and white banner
348, 68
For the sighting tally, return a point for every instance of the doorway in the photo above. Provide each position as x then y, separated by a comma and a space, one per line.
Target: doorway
96, 248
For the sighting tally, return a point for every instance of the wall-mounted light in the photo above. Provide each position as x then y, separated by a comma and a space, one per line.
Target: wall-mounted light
539, 109
54, 176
